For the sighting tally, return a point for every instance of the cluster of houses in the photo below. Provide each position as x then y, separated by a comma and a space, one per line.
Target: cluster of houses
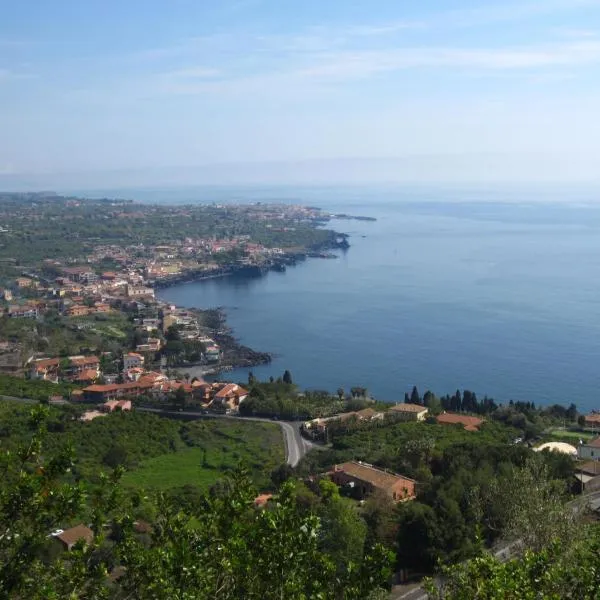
219, 396
316, 429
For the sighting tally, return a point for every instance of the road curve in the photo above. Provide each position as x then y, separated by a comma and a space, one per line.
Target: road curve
295, 445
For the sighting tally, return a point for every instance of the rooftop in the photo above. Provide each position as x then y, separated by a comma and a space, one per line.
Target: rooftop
73, 535
405, 407
376, 477
469, 423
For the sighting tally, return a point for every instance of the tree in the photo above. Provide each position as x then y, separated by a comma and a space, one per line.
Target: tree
287, 377
180, 397
232, 550
414, 396
251, 378
340, 393
581, 421
571, 413
556, 572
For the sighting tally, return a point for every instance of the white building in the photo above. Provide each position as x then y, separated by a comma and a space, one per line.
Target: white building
132, 360
590, 450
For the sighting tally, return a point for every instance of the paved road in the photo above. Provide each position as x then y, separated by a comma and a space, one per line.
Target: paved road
507, 550
295, 445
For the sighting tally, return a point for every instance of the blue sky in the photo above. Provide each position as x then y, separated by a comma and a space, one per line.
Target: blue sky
406, 90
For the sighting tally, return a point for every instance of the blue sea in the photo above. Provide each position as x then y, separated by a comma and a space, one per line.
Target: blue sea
495, 290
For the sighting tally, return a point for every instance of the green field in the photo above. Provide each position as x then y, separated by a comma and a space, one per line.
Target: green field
214, 447
564, 434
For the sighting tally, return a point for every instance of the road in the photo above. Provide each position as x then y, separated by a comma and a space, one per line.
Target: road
505, 551
295, 445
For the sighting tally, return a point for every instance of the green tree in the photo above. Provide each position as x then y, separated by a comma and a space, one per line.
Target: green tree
414, 396
287, 377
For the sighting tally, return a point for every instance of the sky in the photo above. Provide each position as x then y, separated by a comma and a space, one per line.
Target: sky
144, 92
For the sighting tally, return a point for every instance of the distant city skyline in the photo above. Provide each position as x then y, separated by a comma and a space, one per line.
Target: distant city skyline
101, 94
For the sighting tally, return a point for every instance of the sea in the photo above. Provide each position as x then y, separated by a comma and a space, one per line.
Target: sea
494, 289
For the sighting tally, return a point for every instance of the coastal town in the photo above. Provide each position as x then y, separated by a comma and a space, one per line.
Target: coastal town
94, 292
143, 387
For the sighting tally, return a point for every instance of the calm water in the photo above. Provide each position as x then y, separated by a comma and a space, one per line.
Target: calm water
501, 298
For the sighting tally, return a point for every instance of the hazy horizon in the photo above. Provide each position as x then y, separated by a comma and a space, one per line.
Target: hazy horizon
110, 93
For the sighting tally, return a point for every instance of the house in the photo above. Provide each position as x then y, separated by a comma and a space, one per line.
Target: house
24, 282
111, 391
588, 475
230, 396
22, 312
317, 428
45, 368
408, 412
112, 405
134, 291
469, 423
70, 537
79, 364
78, 310
592, 421
90, 415
589, 450
212, 353
364, 479
102, 307
261, 500
132, 360
86, 376
151, 345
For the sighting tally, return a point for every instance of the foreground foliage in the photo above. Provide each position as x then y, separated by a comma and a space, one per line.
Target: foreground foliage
228, 549
556, 572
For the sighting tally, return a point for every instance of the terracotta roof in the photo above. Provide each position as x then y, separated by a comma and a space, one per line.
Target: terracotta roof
73, 535
376, 477
366, 413
594, 443
261, 500
593, 418
87, 375
101, 388
469, 423
405, 407
44, 363
84, 360
231, 389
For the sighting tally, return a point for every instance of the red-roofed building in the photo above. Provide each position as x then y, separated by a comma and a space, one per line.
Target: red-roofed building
45, 368
468, 422
113, 405
365, 479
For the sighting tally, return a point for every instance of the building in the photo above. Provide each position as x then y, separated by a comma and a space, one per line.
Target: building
212, 353
132, 360
590, 450
229, 397
80, 364
22, 312
78, 310
588, 475
592, 421
112, 391
134, 291
469, 423
151, 345
408, 412
364, 479
112, 405
45, 368
24, 282
70, 537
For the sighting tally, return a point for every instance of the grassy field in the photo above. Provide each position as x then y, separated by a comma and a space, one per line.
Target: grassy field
213, 447
564, 434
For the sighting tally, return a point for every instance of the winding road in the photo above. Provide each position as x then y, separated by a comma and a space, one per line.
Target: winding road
295, 445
